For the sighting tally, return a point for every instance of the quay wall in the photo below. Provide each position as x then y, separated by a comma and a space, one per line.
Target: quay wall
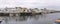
17, 14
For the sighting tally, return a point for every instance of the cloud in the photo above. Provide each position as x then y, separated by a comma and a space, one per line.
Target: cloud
31, 3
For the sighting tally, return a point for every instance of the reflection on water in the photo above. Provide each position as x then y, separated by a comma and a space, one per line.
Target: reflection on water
18, 18
36, 19
23, 18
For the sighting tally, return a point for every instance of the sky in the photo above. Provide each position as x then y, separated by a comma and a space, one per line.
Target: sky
50, 4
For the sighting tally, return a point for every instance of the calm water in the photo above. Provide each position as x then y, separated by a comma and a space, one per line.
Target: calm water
37, 19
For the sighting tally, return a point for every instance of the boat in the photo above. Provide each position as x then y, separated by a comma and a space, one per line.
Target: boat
57, 21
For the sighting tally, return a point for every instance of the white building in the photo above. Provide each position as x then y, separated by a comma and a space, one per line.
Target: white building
36, 10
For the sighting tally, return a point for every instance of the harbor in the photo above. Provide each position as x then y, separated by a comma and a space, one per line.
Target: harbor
29, 11
19, 15
36, 19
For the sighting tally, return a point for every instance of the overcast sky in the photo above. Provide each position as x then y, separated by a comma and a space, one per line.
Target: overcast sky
50, 4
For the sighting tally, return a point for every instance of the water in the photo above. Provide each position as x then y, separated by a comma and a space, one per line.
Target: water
37, 19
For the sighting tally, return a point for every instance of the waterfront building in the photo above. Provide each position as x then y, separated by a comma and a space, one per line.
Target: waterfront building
36, 10
21, 10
